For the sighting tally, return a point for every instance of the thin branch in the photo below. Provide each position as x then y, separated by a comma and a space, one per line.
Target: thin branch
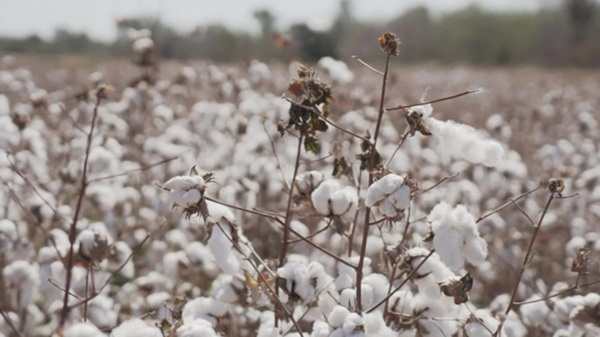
139, 169
568, 290
420, 193
408, 277
61, 288
276, 156
282, 223
288, 210
10, 323
367, 65
481, 218
36, 223
400, 107
523, 212
73, 230
525, 263
312, 234
34, 188
363, 248
404, 136
262, 277
118, 270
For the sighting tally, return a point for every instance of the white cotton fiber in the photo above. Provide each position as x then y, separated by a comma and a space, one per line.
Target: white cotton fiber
465, 142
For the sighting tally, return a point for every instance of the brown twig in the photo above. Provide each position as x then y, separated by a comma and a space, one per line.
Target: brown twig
568, 290
73, 230
114, 273
400, 107
367, 65
288, 210
408, 277
404, 136
511, 201
10, 323
262, 277
139, 169
420, 193
276, 156
282, 223
363, 249
525, 263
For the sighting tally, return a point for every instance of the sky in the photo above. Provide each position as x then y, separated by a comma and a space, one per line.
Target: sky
97, 18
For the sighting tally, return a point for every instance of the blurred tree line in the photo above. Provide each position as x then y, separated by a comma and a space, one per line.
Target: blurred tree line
565, 35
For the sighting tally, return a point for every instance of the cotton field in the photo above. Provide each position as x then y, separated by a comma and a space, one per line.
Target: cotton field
188, 199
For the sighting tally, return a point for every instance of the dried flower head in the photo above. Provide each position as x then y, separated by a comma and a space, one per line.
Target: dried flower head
581, 263
389, 43
458, 287
556, 186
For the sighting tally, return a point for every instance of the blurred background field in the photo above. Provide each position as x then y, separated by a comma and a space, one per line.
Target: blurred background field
547, 33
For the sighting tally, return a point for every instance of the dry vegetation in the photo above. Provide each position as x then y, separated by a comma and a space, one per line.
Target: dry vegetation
158, 123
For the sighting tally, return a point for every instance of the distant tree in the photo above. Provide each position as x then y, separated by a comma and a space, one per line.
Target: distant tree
266, 20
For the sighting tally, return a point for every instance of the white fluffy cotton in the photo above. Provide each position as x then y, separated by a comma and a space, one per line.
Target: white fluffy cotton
388, 195
456, 237
463, 141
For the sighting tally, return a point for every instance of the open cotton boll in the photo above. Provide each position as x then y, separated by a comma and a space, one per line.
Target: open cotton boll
464, 142
25, 277
83, 330
135, 328
196, 328
337, 316
456, 237
308, 181
330, 198
338, 70
388, 195
204, 308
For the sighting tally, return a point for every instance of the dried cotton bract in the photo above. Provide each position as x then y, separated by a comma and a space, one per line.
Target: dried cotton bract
389, 196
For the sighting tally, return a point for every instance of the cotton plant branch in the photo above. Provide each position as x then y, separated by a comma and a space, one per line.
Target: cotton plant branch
464, 93
408, 277
288, 211
10, 323
282, 223
363, 249
73, 230
263, 280
526, 261
367, 65
508, 203
118, 270
276, 156
128, 172
36, 224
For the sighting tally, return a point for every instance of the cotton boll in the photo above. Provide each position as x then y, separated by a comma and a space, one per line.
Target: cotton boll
83, 330
204, 308
534, 313
308, 181
338, 70
464, 142
196, 328
337, 317
23, 276
135, 328
320, 197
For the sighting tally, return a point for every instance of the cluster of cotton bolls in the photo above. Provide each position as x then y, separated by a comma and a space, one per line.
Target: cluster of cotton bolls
142, 268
